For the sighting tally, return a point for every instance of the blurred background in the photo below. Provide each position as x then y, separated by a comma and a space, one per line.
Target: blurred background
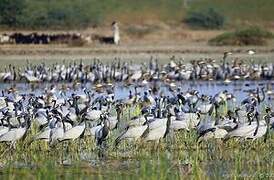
78, 14
213, 22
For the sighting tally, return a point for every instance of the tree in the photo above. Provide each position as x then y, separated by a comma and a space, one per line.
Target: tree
11, 10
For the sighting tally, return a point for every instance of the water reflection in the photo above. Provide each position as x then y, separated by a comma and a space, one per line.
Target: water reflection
239, 88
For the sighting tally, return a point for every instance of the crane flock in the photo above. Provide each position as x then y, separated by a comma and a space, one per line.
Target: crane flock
130, 73
143, 116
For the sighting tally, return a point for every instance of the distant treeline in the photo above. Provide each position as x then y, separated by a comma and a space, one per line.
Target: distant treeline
75, 14
49, 13
58, 14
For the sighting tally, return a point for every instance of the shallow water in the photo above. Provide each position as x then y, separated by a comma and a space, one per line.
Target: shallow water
238, 88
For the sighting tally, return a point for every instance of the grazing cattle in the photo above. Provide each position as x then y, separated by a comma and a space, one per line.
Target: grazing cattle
37, 38
60, 38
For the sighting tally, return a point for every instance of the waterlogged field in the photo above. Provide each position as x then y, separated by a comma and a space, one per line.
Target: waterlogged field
175, 158
178, 156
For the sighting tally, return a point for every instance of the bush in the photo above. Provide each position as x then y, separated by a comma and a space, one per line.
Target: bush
253, 35
208, 19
